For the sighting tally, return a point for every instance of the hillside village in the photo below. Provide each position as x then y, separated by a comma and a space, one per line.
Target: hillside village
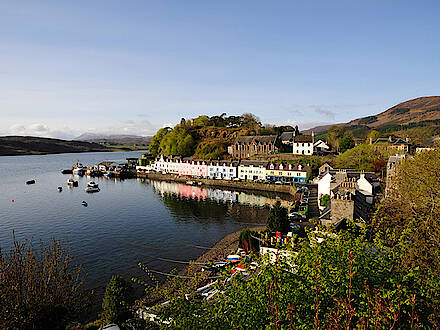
285, 159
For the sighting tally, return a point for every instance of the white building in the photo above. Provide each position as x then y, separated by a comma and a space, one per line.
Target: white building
320, 145
252, 170
303, 144
222, 169
365, 182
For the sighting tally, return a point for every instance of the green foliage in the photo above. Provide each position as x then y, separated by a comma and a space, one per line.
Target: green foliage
247, 242
334, 134
154, 147
40, 288
117, 301
362, 156
177, 142
345, 282
372, 136
277, 219
325, 199
210, 150
201, 121
346, 143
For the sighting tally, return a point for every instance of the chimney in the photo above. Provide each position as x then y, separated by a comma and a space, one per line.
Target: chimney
407, 139
390, 138
371, 140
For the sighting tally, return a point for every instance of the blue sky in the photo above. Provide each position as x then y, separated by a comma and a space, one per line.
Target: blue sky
130, 67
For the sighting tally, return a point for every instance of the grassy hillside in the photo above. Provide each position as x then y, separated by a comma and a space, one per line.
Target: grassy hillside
28, 145
408, 113
418, 119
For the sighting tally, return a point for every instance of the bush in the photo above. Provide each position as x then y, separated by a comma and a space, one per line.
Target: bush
277, 219
117, 301
40, 289
324, 200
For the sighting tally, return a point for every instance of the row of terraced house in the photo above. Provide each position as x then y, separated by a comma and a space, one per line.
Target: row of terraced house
247, 170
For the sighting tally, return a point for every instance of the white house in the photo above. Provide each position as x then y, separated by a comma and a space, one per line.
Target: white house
303, 144
320, 145
365, 182
252, 170
222, 169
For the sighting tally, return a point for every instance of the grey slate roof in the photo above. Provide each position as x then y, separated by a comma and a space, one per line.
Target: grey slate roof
248, 139
256, 163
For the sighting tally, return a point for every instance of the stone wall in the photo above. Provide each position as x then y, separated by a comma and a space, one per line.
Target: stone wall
342, 209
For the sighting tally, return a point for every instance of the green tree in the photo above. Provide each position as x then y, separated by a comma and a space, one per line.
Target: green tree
325, 199
277, 219
250, 120
177, 142
201, 121
118, 300
362, 156
372, 136
334, 134
346, 143
154, 147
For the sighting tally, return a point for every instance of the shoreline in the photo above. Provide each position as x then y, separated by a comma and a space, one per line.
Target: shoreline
244, 186
225, 246
218, 252
69, 152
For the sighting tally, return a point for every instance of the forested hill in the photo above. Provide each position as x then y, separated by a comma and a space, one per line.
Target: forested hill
208, 137
29, 145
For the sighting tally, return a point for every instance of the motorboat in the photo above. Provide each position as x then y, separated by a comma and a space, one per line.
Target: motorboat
30, 182
79, 169
66, 171
92, 184
60, 189
92, 187
72, 183
84, 203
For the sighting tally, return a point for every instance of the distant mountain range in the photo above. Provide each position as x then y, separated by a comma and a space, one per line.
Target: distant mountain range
115, 139
418, 119
30, 145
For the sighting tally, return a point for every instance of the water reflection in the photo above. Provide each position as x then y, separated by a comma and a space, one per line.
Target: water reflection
200, 193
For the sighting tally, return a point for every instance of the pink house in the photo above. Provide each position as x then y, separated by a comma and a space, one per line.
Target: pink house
199, 168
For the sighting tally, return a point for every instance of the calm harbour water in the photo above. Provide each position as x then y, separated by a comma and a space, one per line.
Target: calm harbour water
127, 222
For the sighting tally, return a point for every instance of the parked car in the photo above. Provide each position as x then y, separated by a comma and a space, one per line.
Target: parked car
295, 216
278, 182
294, 225
237, 179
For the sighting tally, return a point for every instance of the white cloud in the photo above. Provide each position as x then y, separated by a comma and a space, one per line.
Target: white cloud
41, 130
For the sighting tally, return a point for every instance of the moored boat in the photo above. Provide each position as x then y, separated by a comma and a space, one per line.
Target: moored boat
79, 169
66, 171
92, 187
30, 182
72, 183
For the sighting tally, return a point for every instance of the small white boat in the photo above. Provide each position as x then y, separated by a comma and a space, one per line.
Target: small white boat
92, 184
92, 187
233, 257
